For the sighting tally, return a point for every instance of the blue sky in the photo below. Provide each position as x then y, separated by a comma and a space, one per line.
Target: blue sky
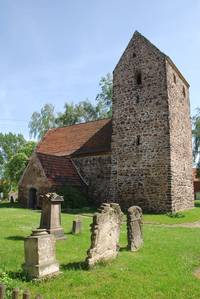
56, 51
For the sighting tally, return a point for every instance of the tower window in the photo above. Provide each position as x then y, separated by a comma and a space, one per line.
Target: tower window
134, 55
184, 93
139, 78
174, 77
138, 140
137, 99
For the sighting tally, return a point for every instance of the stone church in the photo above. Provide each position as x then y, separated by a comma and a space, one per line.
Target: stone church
142, 156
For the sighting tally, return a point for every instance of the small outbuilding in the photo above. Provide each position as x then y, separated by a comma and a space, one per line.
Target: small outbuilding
77, 156
46, 173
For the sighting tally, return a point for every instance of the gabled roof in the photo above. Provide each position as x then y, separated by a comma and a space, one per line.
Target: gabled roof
138, 35
60, 170
86, 138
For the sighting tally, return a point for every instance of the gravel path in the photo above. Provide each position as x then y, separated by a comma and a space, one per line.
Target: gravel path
195, 224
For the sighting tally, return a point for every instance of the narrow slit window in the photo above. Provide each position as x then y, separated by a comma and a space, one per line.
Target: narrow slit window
139, 78
137, 99
174, 78
138, 140
184, 93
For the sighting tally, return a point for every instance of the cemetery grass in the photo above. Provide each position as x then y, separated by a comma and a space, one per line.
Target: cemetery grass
187, 216
162, 269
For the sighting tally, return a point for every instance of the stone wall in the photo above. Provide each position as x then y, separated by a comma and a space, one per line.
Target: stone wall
95, 170
180, 140
33, 177
141, 137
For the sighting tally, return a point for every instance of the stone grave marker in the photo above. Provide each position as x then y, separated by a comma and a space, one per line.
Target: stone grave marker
51, 215
105, 231
40, 258
134, 228
76, 227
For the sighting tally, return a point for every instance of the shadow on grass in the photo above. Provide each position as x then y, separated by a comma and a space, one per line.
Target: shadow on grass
9, 205
15, 238
74, 266
197, 203
86, 210
20, 275
125, 248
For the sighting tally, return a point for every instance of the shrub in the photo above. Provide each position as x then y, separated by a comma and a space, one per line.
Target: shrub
175, 215
8, 282
73, 198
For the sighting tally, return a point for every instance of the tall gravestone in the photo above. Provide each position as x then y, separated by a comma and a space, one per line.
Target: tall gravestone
40, 258
134, 228
51, 215
105, 231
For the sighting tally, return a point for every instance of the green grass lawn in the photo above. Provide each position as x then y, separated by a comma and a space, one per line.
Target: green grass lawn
181, 217
162, 269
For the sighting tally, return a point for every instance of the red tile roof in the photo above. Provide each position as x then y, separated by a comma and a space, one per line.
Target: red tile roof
60, 170
85, 138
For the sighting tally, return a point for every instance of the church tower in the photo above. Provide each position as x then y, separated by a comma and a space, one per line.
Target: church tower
151, 140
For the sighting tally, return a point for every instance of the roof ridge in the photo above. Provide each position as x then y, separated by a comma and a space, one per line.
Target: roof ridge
78, 124
52, 155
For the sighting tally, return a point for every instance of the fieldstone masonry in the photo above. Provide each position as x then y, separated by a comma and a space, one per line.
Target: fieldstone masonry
40, 259
151, 142
105, 231
134, 228
96, 172
51, 215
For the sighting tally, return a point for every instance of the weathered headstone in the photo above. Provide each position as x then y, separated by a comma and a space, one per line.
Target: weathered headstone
76, 227
134, 228
51, 215
40, 259
105, 231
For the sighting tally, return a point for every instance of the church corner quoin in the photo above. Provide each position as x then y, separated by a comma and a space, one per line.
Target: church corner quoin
142, 156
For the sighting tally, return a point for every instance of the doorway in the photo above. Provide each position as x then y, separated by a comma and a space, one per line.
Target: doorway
32, 204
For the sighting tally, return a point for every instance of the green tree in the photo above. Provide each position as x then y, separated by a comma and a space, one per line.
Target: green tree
104, 97
77, 113
42, 121
28, 148
87, 111
14, 168
70, 116
10, 144
14, 154
84, 111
